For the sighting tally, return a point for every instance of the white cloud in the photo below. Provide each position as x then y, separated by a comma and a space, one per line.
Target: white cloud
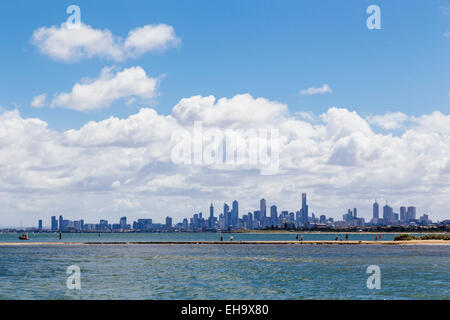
73, 44
389, 121
447, 34
39, 100
149, 38
338, 159
313, 90
109, 86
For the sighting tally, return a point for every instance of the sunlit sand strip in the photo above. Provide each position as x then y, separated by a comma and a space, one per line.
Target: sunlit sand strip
324, 242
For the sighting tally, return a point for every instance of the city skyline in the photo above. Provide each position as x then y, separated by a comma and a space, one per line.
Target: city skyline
232, 218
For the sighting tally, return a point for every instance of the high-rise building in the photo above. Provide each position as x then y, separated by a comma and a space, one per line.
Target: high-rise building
304, 210
168, 222
388, 214
411, 213
54, 224
274, 215
211, 211
61, 227
235, 214
262, 208
323, 219
376, 210
226, 208
123, 223
273, 212
227, 215
402, 213
257, 215
355, 215
40, 225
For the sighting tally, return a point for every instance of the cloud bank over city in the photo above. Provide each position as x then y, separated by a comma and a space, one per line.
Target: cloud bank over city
340, 158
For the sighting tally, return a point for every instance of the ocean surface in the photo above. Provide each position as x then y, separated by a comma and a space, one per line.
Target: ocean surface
175, 271
185, 236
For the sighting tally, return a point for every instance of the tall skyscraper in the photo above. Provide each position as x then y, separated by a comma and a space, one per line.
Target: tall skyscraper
211, 211
235, 214
388, 214
355, 215
411, 213
262, 208
304, 210
227, 215
61, 223
273, 212
168, 222
376, 210
40, 224
402, 213
123, 223
54, 224
226, 208
274, 215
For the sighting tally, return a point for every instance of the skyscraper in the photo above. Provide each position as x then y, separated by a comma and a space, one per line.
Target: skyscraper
227, 215
388, 214
168, 222
61, 227
211, 211
273, 214
262, 208
376, 210
123, 223
235, 214
54, 224
40, 225
402, 213
355, 215
304, 210
411, 213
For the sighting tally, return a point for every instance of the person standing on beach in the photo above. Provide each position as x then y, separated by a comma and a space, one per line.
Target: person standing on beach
221, 238
60, 235
346, 237
231, 238
301, 238
296, 238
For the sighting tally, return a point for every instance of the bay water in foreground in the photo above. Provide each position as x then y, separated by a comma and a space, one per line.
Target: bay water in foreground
176, 271
189, 236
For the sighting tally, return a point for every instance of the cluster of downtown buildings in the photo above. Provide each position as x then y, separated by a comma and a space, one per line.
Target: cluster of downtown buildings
229, 219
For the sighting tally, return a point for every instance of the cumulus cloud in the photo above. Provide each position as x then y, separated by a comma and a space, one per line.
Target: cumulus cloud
73, 44
109, 86
39, 100
389, 121
337, 158
313, 90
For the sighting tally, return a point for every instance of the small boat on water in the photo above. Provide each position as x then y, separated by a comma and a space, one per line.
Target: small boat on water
24, 237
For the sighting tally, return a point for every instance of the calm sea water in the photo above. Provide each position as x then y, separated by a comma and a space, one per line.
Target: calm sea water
169, 271
113, 237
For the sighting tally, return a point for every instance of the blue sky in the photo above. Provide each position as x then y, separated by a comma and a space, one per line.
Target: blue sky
85, 164
266, 48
